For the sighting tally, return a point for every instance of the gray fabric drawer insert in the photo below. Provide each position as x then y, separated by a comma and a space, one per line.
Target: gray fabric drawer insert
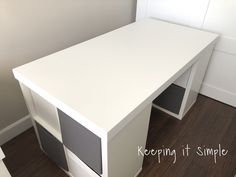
171, 99
52, 147
82, 142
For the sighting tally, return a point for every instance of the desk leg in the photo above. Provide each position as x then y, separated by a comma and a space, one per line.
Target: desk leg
177, 100
123, 158
30, 105
195, 80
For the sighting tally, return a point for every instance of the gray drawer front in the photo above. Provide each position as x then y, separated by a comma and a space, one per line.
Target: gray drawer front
82, 142
52, 147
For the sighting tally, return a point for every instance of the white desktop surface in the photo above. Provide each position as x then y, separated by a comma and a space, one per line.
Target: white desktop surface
103, 81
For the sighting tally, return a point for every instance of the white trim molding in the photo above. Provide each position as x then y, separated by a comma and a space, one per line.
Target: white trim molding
218, 94
141, 9
15, 129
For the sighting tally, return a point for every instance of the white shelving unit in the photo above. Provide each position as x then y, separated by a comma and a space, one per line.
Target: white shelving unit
177, 99
91, 104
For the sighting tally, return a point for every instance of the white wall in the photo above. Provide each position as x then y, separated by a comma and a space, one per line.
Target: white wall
220, 82
30, 29
212, 15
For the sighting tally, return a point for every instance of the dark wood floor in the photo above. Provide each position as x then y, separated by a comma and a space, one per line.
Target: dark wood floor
208, 124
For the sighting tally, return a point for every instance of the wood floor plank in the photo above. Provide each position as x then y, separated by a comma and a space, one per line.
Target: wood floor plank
205, 124
25, 159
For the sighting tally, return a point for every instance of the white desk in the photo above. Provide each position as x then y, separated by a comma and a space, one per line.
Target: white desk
107, 86
3, 170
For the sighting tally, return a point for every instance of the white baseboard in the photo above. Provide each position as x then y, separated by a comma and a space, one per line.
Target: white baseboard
139, 171
15, 129
219, 94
